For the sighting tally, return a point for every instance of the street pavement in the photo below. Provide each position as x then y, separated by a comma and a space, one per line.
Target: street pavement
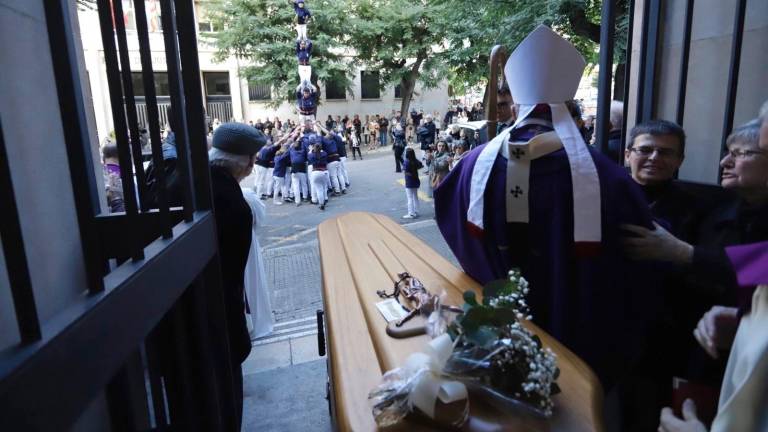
374, 187
284, 367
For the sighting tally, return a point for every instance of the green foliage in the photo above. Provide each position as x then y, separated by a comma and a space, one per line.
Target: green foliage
497, 288
391, 36
424, 41
262, 32
476, 26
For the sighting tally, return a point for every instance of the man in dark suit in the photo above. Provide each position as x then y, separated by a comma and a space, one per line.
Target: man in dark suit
231, 159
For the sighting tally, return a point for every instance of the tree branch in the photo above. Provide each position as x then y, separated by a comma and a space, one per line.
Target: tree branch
580, 24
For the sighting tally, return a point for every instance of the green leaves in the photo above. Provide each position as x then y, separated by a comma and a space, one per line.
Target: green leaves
497, 288
261, 33
469, 297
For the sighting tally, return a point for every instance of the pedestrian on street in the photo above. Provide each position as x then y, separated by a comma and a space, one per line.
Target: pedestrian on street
411, 167
373, 132
398, 145
383, 125
355, 140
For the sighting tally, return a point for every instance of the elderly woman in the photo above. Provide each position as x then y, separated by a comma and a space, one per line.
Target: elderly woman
231, 157
743, 395
440, 164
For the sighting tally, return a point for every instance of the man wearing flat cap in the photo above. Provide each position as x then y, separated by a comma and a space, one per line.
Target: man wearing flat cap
231, 159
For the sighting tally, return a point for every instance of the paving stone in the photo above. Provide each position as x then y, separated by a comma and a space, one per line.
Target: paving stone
304, 349
287, 399
266, 357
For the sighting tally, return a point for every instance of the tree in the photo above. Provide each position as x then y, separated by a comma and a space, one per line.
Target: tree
507, 22
262, 33
401, 39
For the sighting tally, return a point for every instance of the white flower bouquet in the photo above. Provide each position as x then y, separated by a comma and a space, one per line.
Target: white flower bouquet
496, 355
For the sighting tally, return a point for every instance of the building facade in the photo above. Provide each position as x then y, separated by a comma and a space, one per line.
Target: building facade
227, 95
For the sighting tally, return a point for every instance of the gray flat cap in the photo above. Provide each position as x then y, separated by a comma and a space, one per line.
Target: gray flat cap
238, 138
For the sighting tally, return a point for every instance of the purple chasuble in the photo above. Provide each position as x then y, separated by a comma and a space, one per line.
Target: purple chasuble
590, 298
751, 265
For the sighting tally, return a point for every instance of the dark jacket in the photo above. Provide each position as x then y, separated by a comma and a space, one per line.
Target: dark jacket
302, 14
614, 145
398, 138
733, 223
383, 123
429, 138
233, 225
341, 146
676, 209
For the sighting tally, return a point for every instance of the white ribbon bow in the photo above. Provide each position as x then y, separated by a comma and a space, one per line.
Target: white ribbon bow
430, 385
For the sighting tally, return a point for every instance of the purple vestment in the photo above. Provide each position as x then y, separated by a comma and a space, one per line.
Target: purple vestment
751, 265
588, 296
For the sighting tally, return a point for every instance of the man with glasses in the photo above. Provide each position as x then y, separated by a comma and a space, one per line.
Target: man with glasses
655, 152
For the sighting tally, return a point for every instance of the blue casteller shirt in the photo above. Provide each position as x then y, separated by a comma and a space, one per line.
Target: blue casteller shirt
412, 180
319, 161
304, 54
298, 155
266, 156
281, 164
329, 145
302, 14
306, 106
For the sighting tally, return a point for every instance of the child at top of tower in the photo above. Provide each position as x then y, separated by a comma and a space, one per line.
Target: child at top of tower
303, 15
302, 11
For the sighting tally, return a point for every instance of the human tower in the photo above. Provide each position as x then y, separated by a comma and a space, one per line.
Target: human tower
315, 154
306, 93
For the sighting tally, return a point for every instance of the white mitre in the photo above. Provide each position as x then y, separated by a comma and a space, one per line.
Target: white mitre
544, 68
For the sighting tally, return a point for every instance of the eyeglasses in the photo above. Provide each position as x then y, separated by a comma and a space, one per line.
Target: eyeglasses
503, 104
744, 154
647, 150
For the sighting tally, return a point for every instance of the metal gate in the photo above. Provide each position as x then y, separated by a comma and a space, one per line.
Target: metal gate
154, 305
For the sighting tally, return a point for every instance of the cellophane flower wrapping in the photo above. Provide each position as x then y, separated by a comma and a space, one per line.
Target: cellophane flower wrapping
496, 354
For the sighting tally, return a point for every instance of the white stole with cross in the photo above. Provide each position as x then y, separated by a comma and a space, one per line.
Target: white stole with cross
519, 155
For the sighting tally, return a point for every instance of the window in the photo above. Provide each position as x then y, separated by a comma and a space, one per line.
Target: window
259, 92
369, 85
334, 89
398, 92
216, 83
207, 27
162, 88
